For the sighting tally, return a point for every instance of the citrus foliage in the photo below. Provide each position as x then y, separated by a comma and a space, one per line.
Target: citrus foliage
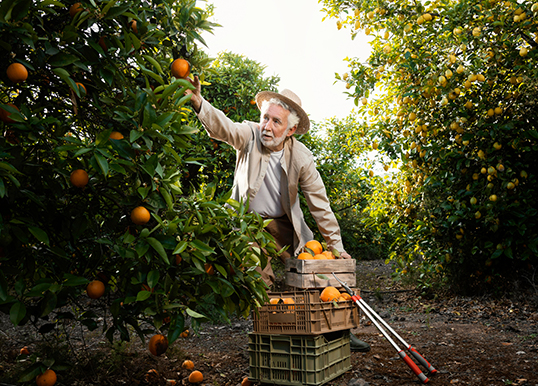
340, 151
449, 89
192, 258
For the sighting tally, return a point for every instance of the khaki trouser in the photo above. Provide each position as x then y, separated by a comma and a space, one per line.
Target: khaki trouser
282, 230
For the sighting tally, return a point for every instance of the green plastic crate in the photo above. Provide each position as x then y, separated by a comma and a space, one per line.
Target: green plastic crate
298, 359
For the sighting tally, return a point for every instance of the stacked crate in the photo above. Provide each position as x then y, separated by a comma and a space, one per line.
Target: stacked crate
302, 341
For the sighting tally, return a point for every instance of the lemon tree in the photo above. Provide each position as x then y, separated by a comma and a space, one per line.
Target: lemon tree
449, 89
100, 99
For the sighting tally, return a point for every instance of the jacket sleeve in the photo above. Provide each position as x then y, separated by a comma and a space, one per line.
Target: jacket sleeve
318, 203
220, 127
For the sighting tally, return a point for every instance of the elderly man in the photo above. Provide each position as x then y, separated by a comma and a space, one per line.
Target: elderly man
270, 166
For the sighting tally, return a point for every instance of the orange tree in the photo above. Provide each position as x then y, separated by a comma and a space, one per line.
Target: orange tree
230, 84
450, 88
100, 97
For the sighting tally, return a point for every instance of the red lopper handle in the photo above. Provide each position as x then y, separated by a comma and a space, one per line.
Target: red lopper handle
413, 367
422, 360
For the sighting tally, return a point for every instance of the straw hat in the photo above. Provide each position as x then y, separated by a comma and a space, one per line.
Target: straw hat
293, 101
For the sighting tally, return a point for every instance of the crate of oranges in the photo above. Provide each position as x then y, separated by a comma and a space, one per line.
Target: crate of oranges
306, 313
314, 266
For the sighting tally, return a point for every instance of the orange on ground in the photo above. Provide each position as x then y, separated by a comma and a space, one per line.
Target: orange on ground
79, 178
180, 68
16, 72
4, 115
116, 135
25, 351
184, 334
48, 378
152, 375
246, 382
196, 377
140, 215
305, 256
314, 246
158, 344
95, 289
329, 294
188, 364
209, 269
320, 256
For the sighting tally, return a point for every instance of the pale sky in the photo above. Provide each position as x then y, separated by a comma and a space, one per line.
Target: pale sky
291, 40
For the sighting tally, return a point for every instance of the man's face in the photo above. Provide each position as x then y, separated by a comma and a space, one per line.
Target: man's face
274, 127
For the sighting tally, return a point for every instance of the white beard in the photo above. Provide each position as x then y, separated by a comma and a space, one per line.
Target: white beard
274, 142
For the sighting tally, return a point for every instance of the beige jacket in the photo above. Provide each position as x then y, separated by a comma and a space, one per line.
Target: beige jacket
298, 169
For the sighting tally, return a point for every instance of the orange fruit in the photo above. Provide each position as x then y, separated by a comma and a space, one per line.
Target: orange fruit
329, 294
79, 178
329, 255
314, 246
80, 85
152, 375
180, 68
209, 269
320, 256
95, 289
246, 382
25, 351
346, 296
102, 43
178, 259
16, 72
74, 9
196, 377
274, 300
305, 256
184, 334
134, 27
140, 215
4, 115
48, 378
289, 301
116, 135
188, 364
158, 344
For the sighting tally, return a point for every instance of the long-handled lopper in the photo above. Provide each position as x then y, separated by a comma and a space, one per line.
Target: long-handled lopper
375, 318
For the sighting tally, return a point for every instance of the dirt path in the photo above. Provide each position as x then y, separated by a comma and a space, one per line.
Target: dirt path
471, 341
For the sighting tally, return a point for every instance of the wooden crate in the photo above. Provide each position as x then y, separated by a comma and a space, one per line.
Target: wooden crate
307, 274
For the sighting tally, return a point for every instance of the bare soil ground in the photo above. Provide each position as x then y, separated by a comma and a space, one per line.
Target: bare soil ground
469, 340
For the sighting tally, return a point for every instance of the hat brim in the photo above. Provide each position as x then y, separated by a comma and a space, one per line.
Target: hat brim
304, 122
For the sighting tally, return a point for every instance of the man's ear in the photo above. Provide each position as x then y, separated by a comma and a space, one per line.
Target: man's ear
292, 131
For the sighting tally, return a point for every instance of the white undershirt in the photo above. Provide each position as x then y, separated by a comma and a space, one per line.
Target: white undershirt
267, 202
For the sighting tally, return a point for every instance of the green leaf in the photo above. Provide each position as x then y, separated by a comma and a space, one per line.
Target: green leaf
102, 162
180, 247
143, 295
194, 314
156, 244
62, 59
73, 280
153, 278
202, 247
32, 372
17, 313
39, 234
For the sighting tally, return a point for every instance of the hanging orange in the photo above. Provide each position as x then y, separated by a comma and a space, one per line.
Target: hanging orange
180, 68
